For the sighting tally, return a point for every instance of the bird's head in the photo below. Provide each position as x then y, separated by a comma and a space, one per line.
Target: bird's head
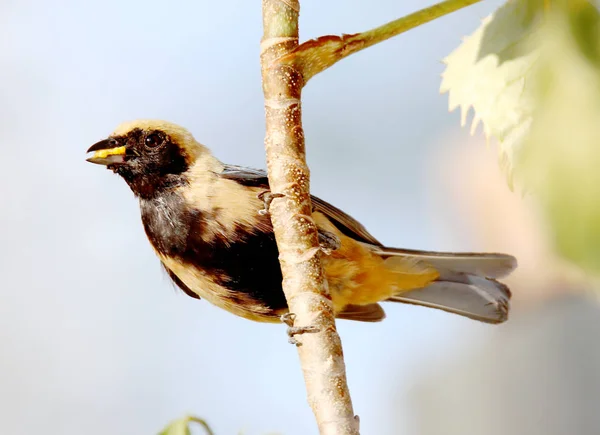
150, 155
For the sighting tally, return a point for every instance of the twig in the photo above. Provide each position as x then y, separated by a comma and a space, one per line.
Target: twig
316, 55
304, 284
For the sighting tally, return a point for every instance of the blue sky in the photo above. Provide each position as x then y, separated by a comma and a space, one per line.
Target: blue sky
92, 333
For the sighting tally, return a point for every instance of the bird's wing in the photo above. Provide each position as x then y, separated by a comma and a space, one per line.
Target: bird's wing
246, 176
344, 222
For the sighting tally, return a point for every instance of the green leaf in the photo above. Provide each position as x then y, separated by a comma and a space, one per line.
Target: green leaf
182, 426
560, 162
490, 72
531, 73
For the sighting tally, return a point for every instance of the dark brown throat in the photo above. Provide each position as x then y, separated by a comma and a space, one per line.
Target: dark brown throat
168, 222
149, 186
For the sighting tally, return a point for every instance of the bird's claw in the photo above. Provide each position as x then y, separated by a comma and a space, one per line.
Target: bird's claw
292, 330
267, 197
329, 242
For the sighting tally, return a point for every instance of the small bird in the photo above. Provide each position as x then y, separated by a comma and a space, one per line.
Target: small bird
202, 219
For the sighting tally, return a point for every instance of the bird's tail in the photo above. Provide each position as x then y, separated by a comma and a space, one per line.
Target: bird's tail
466, 284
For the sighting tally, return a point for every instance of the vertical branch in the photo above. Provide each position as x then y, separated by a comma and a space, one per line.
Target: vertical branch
304, 283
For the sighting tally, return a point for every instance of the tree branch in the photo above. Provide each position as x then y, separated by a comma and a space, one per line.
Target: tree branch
286, 67
304, 284
316, 55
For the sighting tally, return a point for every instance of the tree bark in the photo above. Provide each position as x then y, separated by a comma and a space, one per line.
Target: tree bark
286, 67
304, 284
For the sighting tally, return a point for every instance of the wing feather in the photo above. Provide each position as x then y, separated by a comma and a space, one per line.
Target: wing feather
344, 222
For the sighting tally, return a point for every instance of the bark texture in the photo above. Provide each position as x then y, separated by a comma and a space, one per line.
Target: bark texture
286, 67
304, 284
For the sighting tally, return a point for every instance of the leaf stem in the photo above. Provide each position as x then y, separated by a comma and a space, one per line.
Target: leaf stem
316, 55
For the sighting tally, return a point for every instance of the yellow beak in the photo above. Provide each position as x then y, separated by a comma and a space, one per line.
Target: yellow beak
105, 153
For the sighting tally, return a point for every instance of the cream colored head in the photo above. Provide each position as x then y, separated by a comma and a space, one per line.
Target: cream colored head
150, 155
178, 134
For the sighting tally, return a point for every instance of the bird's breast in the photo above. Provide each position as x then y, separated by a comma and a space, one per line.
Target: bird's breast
167, 222
228, 265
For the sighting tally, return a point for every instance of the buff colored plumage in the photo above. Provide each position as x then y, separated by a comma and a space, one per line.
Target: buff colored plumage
202, 219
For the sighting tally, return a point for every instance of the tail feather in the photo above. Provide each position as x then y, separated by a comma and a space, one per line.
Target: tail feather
477, 298
363, 313
488, 265
465, 286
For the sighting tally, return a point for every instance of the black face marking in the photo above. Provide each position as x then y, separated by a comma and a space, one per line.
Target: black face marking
153, 163
247, 264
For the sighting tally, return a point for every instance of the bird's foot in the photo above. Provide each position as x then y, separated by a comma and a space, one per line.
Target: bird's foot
292, 330
329, 242
267, 197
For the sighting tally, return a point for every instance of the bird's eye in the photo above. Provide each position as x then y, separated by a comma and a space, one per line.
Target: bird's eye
153, 140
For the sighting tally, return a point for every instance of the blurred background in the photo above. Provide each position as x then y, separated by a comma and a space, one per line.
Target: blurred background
94, 339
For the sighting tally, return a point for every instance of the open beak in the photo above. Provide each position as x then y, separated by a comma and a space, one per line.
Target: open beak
106, 153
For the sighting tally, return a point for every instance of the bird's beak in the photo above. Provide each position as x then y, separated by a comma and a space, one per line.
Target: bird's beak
106, 153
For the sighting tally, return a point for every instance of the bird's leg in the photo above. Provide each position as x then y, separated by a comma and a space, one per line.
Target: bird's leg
329, 242
292, 330
267, 197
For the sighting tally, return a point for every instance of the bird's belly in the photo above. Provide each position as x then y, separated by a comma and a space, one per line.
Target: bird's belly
232, 264
246, 280
240, 274
207, 286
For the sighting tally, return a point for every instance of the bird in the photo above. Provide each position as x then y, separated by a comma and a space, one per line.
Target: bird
203, 220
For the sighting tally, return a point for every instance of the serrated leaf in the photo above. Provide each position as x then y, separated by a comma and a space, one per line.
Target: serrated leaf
531, 73
490, 72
